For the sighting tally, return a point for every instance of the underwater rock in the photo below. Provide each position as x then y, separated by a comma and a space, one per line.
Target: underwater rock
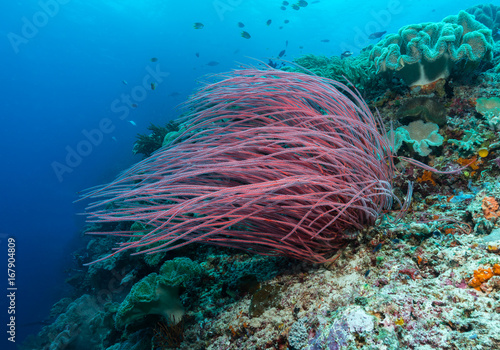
266, 297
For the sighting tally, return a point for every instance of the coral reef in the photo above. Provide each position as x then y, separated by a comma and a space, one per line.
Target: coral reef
489, 15
490, 108
147, 144
428, 281
355, 70
423, 107
151, 295
424, 53
419, 134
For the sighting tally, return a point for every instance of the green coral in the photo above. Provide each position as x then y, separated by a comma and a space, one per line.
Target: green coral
358, 70
150, 296
419, 134
490, 108
147, 144
159, 293
467, 143
426, 108
423, 53
179, 271
487, 14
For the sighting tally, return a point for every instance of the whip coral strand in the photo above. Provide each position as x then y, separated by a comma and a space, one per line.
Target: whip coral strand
271, 162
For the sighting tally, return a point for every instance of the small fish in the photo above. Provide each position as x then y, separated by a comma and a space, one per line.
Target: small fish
285, 3
124, 82
296, 7
241, 25
286, 43
282, 52
153, 86
301, 47
133, 105
273, 64
377, 35
132, 122
213, 63
197, 54
236, 51
173, 94
286, 21
367, 273
377, 247
302, 3
114, 138
283, 8
281, 27
325, 40
198, 25
345, 54
245, 35
269, 22
154, 59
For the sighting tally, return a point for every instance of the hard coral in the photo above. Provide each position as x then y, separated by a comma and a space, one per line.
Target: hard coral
423, 53
356, 70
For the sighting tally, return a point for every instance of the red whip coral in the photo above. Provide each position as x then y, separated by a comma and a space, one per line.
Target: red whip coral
271, 162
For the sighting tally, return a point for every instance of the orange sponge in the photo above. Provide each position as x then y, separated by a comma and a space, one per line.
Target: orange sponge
490, 208
480, 276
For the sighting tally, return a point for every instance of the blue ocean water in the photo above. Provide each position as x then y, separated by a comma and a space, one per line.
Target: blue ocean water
76, 89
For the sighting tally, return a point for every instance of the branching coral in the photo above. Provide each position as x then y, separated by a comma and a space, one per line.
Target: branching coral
273, 162
358, 70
